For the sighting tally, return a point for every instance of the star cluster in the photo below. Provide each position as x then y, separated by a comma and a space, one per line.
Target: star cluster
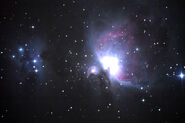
28, 60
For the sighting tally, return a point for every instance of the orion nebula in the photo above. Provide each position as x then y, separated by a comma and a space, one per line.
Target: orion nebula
116, 52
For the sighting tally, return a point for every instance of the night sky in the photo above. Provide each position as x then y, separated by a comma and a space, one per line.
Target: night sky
105, 60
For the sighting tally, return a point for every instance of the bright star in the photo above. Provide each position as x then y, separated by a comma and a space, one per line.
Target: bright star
20, 49
137, 49
141, 88
36, 70
93, 70
143, 100
13, 56
34, 61
181, 75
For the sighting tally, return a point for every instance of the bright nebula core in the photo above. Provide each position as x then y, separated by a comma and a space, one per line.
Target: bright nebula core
111, 64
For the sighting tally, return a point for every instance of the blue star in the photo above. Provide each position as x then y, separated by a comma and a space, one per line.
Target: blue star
36, 70
34, 61
141, 88
21, 49
181, 75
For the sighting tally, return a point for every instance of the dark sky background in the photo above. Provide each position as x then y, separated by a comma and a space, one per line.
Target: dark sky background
46, 49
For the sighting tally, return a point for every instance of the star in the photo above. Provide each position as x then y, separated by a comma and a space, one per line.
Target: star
21, 49
32, 27
141, 88
143, 100
36, 70
93, 70
181, 75
34, 61
13, 56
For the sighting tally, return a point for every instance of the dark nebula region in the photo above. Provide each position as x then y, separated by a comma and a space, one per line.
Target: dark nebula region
92, 60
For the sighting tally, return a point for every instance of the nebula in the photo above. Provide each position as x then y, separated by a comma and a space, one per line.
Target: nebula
117, 51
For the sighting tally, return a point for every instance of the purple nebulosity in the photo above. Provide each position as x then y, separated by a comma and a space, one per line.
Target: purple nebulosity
92, 70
